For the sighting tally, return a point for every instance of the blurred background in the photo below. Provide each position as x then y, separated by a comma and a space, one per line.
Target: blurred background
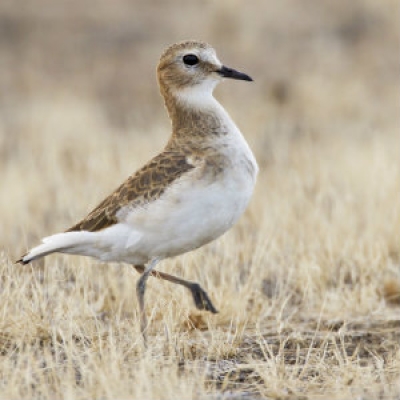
80, 108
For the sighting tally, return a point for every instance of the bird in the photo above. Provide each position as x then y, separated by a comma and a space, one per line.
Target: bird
188, 195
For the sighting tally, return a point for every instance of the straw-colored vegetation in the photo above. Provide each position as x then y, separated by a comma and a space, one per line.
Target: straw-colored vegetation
307, 284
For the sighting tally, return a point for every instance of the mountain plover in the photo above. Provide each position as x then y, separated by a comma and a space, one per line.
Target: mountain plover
185, 197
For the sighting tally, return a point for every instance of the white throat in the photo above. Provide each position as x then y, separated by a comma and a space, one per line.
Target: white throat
199, 96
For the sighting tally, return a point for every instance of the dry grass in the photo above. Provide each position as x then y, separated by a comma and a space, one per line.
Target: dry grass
307, 284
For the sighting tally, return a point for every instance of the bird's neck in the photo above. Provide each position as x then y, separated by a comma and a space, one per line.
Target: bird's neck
196, 113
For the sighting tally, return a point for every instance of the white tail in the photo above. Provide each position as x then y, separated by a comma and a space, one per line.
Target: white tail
68, 242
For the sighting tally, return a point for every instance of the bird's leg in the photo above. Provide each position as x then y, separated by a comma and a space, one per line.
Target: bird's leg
200, 296
140, 289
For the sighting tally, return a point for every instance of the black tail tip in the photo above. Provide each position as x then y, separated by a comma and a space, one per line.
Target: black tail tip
21, 261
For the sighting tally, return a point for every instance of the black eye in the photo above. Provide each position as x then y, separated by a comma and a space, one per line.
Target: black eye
190, 59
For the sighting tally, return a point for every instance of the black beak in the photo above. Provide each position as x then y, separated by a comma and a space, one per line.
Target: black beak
232, 73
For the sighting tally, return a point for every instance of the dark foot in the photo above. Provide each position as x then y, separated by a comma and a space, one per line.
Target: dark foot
201, 299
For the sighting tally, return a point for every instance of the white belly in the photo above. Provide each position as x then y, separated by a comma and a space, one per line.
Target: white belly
188, 216
203, 214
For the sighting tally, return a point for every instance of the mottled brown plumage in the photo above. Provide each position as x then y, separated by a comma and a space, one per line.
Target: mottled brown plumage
146, 185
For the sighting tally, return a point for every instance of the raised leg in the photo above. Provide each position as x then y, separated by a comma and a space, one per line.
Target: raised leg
140, 289
200, 296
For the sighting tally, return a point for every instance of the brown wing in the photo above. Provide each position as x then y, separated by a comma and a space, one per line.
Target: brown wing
144, 186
